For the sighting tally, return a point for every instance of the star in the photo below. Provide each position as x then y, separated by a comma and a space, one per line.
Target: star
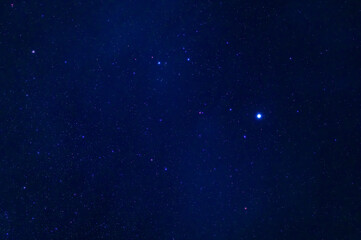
259, 116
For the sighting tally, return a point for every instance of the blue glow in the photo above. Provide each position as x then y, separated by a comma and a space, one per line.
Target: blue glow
158, 63
259, 116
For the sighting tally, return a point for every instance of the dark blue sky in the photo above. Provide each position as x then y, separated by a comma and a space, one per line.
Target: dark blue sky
138, 120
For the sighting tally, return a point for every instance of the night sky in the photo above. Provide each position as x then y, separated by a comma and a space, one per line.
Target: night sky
179, 119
